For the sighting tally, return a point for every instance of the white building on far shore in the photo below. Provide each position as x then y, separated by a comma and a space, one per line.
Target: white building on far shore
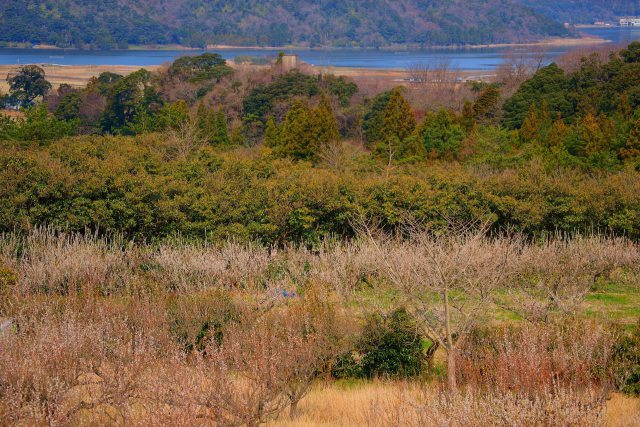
630, 22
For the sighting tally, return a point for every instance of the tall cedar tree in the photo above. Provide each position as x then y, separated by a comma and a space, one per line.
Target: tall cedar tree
327, 130
271, 133
398, 121
222, 132
216, 128
530, 130
297, 139
202, 116
486, 108
557, 134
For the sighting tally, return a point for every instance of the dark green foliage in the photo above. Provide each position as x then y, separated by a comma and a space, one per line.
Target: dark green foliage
584, 11
297, 138
260, 101
37, 127
106, 80
128, 100
340, 87
107, 24
69, 107
306, 131
390, 346
398, 125
373, 119
271, 134
550, 86
220, 135
27, 85
486, 108
398, 120
441, 135
172, 116
194, 69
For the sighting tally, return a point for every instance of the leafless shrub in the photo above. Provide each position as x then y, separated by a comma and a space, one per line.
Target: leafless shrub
109, 332
556, 275
503, 408
184, 139
519, 66
60, 263
188, 267
437, 86
532, 359
449, 281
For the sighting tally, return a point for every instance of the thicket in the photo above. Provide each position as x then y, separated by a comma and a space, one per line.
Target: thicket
110, 331
203, 167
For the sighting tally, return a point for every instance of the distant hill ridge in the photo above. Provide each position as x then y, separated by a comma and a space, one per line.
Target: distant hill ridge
584, 11
339, 23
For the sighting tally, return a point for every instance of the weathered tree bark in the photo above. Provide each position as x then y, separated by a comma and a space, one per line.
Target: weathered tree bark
293, 410
451, 361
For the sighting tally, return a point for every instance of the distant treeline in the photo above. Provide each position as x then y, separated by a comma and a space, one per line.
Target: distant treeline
106, 24
584, 11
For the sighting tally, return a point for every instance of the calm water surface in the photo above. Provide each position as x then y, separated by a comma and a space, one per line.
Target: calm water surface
469, 59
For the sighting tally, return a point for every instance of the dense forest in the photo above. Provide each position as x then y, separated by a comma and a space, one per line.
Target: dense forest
108, 24
264, 155
584, 11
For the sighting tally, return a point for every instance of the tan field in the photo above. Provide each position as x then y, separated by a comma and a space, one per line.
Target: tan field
74, 75
79, 75
345, 406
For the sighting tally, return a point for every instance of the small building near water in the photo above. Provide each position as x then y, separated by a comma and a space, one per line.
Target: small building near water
630, 22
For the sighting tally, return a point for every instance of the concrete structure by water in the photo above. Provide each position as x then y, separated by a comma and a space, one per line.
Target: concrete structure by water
630, 22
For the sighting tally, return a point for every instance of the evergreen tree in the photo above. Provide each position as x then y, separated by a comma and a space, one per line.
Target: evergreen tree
530, 130
557, 134
486, 108
237, 136
172, 116
221, 136
373, 119
201, 117
549, 84
398, 121
440, 134
272, 133
469, 122
297, 139
326, 127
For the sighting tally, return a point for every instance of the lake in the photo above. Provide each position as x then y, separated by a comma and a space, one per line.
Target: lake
464, 59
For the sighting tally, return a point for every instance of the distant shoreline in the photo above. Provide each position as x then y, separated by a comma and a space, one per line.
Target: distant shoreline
554, 41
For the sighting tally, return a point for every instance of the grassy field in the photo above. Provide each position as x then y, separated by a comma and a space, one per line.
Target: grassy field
351, 404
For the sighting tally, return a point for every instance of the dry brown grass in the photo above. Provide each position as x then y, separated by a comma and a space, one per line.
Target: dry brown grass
370, 404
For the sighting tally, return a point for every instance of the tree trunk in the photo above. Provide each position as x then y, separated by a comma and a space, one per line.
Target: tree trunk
293, 410
451, 370
451, 361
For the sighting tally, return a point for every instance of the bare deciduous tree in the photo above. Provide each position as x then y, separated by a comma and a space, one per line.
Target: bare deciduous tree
448, 281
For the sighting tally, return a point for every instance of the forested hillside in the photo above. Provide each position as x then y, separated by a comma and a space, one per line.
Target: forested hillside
584, 11
119, 23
